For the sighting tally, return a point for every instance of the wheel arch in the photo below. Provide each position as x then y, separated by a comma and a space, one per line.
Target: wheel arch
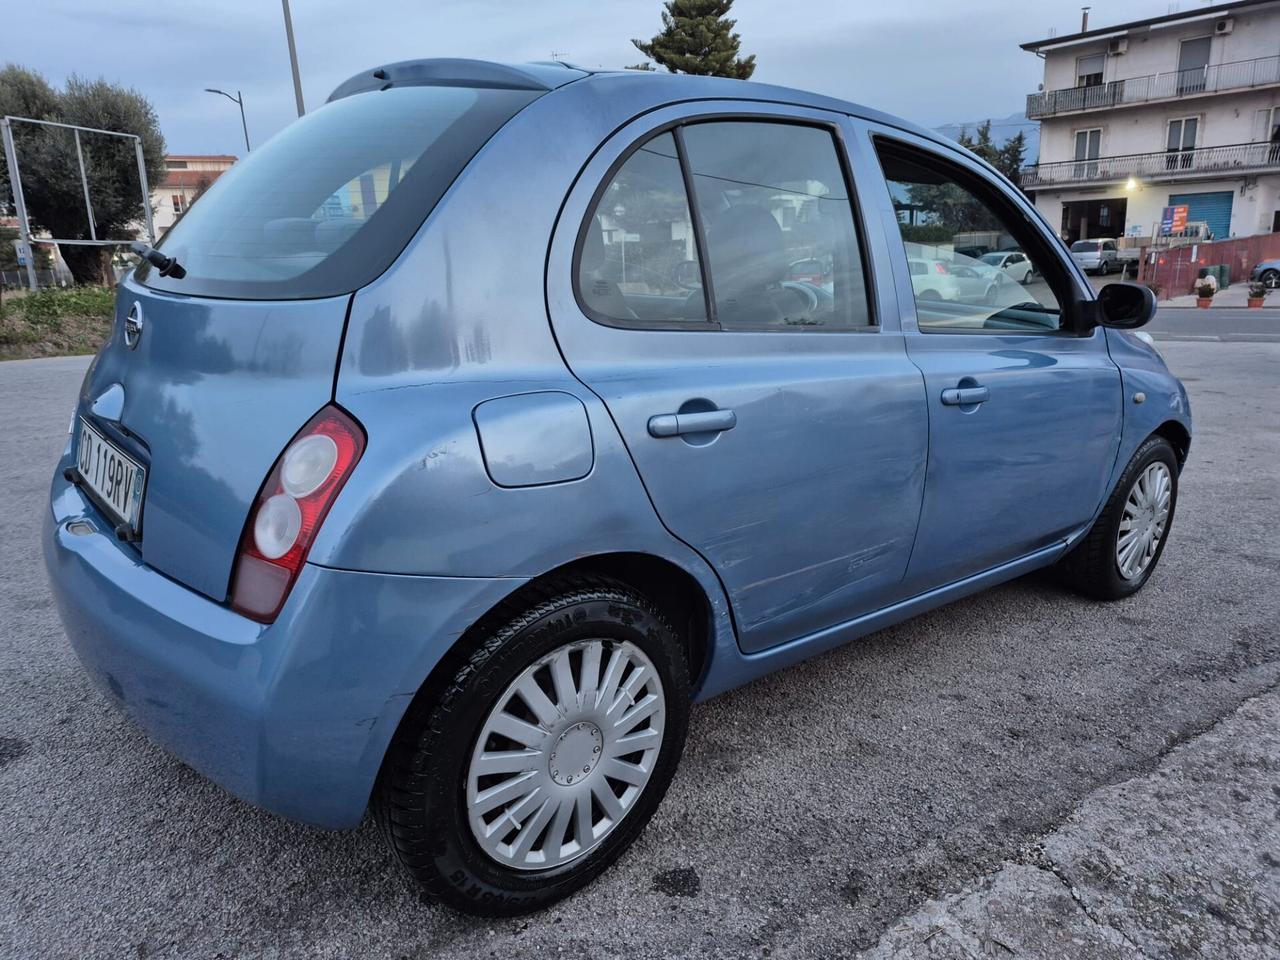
1178, 436
676, 591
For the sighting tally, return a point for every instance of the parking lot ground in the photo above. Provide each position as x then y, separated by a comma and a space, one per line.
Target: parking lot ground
1184, 861
961, 755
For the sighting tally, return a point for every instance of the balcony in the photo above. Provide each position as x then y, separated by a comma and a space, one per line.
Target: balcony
1206, 162
1215, 78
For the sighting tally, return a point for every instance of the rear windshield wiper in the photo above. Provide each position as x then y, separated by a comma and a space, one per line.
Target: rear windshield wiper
168, 266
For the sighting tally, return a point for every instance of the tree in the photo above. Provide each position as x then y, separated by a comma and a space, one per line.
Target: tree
949, 207
51, 172
1007, 158
697, 37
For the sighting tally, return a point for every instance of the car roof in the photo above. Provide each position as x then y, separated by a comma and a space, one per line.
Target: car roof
548, 76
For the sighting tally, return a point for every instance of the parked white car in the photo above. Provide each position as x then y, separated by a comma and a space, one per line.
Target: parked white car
962, 281
1012, 263
933, 280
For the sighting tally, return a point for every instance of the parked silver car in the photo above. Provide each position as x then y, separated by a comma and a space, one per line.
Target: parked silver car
1096, 256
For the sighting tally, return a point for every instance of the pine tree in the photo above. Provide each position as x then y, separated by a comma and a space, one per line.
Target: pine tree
1007, 158
697, 37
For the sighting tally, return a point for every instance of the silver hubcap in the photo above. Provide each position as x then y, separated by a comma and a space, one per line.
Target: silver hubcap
564, 754
1146, 513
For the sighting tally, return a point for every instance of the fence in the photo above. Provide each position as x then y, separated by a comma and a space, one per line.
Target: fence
1236, 75
1174, 270
1230, 160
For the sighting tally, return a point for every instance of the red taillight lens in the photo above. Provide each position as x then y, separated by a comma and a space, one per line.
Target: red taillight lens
291, 505
940, 267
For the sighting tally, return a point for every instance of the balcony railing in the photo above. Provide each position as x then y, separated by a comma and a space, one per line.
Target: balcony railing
1237, 75
1235, 159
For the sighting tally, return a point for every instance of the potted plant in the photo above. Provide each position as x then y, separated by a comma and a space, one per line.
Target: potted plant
1257, 293
1206, 287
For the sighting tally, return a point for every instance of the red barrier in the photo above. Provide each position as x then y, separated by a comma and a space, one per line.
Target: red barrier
1174, 270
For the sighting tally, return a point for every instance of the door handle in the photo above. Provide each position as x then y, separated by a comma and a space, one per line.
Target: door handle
678, 424
964, 396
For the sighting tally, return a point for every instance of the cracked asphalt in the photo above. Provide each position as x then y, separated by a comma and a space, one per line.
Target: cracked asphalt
1014, 773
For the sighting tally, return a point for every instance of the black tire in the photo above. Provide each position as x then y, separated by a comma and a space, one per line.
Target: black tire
1104, 268
419, 802
1270, 279
1091, 566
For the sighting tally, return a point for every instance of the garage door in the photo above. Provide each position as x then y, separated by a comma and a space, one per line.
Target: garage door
1213, 208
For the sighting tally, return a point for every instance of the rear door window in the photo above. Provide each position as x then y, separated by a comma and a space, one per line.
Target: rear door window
325, 207
638, 259
782, 246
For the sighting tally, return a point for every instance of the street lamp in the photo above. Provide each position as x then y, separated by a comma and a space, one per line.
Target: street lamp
238, 99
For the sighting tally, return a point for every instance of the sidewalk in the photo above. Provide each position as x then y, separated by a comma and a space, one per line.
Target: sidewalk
1235, 295
1184, 861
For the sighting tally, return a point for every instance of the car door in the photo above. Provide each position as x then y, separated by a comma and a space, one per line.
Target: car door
1024, 411
779, 427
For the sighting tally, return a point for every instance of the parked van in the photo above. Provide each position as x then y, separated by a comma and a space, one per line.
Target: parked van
471, 430
1096, 256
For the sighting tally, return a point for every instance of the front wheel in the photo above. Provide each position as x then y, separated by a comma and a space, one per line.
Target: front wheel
1121, 551
1270, 279
545, 754
1104, 268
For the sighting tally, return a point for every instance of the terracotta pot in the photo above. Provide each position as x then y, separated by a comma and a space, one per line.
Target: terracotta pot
1256, 301
1204, 302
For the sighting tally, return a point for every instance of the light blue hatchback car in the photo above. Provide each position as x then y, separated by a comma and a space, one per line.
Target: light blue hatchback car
486, 418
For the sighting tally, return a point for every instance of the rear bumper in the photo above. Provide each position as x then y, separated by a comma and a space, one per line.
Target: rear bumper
294, 717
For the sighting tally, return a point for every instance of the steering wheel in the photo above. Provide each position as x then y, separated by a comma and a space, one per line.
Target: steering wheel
806, 293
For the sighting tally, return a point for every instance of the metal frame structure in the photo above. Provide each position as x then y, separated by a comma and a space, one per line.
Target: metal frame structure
19, 202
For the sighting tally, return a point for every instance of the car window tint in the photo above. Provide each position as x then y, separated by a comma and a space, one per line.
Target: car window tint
942, 221
638, 263
781, 243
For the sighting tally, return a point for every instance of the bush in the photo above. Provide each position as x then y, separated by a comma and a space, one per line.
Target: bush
57, 322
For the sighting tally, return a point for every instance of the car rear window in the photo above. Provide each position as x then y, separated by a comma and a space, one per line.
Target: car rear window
325, 207
1085, 246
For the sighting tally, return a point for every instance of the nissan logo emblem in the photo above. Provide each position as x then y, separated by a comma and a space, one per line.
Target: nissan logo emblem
133, 326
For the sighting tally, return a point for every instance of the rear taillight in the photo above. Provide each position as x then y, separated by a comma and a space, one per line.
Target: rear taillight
940, 267
290, 507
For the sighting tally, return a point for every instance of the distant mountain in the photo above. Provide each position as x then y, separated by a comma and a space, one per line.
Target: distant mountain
1002, 128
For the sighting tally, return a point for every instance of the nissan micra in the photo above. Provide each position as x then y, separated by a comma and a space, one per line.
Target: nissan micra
470, 430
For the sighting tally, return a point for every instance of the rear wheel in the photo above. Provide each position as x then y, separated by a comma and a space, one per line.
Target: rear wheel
1270, 279
1121, 551
545, 755
1104, 268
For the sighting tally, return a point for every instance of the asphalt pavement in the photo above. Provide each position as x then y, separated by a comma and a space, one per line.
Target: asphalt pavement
820, 812
1216, 324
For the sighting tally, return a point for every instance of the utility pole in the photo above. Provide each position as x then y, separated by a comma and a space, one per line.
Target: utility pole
293, 58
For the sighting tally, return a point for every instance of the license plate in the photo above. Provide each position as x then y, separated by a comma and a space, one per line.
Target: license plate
116, 479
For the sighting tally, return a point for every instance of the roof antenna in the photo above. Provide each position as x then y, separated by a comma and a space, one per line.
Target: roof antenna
1084, 19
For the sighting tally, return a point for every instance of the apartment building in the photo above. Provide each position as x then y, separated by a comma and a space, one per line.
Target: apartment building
1147, 125
186, 176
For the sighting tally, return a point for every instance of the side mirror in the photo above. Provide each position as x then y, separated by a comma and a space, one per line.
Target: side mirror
1125, 306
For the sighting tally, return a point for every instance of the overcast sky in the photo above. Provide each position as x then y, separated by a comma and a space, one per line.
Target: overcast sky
932, 61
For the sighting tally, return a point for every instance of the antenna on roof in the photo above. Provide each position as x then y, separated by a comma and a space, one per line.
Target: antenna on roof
1053, 32
558, 56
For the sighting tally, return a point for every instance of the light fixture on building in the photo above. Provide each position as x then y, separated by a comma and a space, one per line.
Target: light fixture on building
1131, 183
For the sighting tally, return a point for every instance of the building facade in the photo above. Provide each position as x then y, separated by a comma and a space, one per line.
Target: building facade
1180, 111
185, 178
